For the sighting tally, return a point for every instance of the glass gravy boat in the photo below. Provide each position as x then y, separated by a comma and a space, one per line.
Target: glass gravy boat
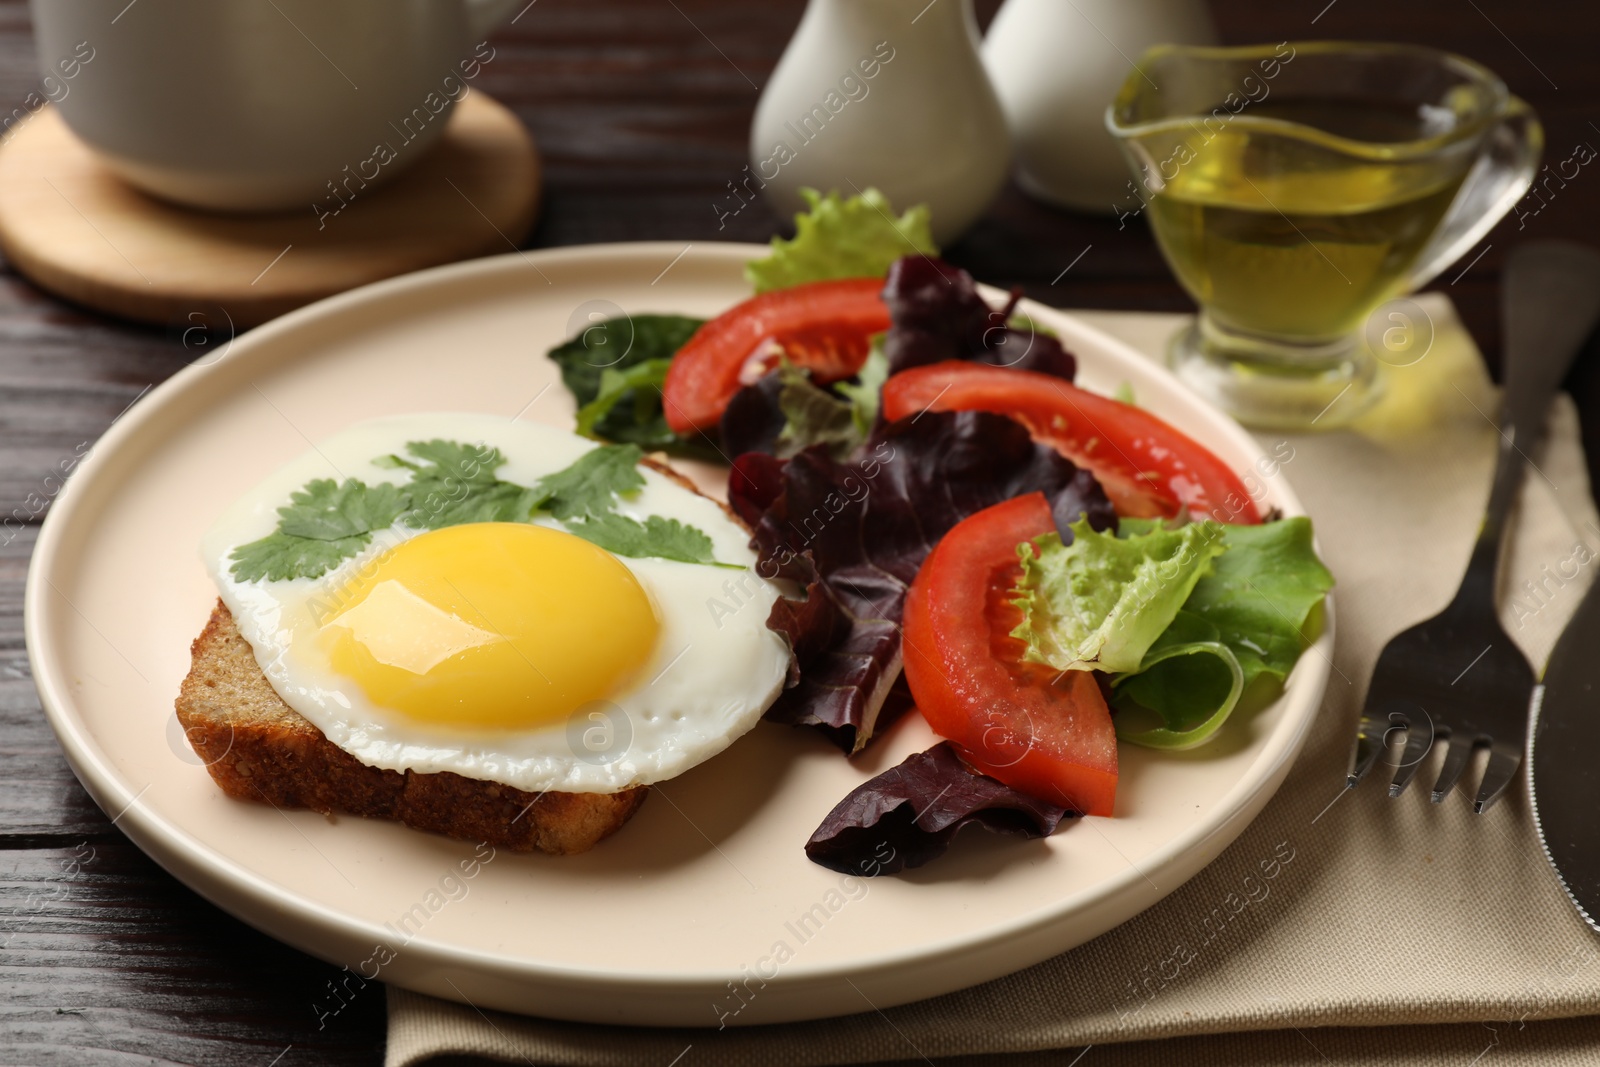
1296, 188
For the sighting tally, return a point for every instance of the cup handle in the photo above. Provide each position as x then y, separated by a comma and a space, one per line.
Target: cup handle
485, 15
1503, 172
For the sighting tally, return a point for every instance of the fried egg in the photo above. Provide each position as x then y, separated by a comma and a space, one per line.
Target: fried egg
514, 652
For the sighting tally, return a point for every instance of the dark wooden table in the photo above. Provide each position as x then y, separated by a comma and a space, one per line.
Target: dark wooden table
641, 108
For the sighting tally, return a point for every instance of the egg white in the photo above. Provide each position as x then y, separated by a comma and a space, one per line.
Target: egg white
713, 671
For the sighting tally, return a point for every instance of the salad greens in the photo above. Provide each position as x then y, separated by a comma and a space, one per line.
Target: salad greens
813, 415
1190, 678
452, 484
839, 238
1184, 620
614, 370
865, 393
855, 532
1100, 601
839, 418
938, 314
1260, 593
909, 814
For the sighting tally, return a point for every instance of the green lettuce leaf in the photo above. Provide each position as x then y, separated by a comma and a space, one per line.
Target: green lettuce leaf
628, 405
866, 392
1262, 593
838, 238
813, 415
614, 370
840, 417
1254, 605
1189, 678
1102, 601
1028, 324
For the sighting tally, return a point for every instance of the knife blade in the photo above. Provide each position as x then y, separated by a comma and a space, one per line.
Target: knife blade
1564, 758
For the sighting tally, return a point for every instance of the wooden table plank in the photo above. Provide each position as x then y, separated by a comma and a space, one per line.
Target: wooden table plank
188, 983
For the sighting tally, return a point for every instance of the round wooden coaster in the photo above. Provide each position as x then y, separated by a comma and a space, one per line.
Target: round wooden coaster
77, 230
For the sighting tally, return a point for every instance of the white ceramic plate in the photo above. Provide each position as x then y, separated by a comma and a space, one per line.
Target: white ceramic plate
709, 878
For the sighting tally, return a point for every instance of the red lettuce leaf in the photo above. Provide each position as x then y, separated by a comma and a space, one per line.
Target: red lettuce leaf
939, 315
909, 814
753, 419
854, 534
1082, 498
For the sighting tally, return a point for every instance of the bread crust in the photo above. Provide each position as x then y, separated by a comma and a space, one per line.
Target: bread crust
258, 748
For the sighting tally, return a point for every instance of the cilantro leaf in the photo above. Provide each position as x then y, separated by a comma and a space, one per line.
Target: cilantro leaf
280, 556
656, 536
327, 511
838, 238
454, 483
441, 502
590, 486
323, 524
471, 463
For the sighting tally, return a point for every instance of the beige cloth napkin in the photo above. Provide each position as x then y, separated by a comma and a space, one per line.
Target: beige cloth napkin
1383, 911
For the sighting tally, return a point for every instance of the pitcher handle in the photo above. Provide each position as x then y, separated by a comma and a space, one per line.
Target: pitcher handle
485, 15
1503, 172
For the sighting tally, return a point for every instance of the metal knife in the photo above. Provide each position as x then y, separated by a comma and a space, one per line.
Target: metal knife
1564, 759
1563, 754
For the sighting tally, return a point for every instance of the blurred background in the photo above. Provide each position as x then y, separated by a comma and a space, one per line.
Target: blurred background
642, 109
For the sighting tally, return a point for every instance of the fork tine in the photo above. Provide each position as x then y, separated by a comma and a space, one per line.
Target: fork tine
1457, 756
1371, 733
1418, 742
1503, 763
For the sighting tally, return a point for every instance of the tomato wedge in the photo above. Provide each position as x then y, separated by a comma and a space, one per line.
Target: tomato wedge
1148, 468
1050, 736
826, 327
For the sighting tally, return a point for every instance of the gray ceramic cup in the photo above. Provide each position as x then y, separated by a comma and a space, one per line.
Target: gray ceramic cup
260, 105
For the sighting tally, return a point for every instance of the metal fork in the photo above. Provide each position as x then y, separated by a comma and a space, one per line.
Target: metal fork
1458, 678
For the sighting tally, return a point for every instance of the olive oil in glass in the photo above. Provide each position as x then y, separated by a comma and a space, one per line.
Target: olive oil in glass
1304, 252
1295, 188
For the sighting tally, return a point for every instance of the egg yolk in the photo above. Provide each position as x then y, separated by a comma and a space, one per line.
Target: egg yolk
491, 625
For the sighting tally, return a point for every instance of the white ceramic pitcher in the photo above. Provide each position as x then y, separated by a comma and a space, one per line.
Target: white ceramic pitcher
1056, 64
885, 93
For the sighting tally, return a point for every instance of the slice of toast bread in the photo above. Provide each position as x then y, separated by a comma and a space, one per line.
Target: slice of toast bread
258, 748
